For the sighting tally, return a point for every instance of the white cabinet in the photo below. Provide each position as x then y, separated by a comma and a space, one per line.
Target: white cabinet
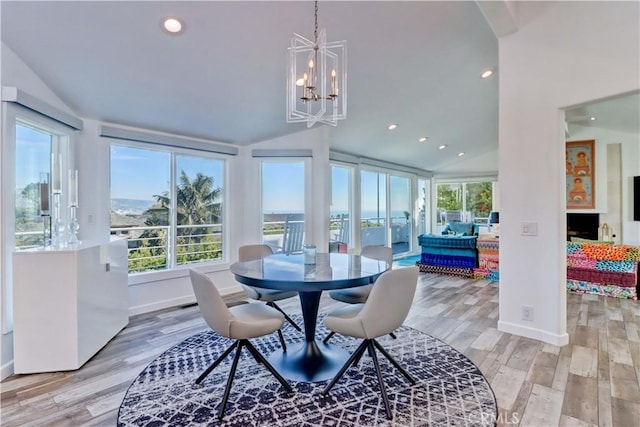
68, 303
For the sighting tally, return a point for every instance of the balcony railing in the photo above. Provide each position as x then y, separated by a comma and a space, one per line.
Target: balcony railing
28, 239
372, 232
149, 247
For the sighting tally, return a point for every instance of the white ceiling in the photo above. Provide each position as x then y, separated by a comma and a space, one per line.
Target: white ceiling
417, 64
620, 113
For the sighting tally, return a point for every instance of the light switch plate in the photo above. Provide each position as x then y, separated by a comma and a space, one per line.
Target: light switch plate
529, 228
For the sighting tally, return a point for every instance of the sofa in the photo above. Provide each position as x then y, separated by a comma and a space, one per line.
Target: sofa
488, 246
452, 252
603, 269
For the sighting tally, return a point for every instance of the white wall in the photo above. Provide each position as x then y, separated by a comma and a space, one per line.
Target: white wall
564, 54
630, 167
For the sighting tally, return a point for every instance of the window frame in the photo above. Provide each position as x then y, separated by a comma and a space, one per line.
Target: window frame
12, 114
175, 270
351, 202
308, 189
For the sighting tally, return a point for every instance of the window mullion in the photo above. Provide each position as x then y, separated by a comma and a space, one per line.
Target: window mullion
173, 231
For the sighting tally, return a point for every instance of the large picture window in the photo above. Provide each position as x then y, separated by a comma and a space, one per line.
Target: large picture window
464, 201
169, 204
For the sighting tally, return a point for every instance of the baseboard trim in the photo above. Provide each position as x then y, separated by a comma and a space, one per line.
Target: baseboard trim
161, 305
7, 370
175, 302
536, 334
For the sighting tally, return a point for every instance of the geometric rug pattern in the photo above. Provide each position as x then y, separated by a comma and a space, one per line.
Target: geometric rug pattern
450, 389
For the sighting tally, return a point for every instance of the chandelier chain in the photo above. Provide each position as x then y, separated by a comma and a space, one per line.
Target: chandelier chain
315, 16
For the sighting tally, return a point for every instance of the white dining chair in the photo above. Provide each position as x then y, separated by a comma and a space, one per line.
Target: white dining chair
239, 323
270, 296
359, 295
385, 310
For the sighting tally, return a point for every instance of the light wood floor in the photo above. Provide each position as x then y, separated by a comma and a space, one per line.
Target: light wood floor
591, 381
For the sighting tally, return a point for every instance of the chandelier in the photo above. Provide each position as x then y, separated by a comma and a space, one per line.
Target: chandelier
316, 79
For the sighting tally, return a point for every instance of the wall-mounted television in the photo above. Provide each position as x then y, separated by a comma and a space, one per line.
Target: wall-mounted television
636, 198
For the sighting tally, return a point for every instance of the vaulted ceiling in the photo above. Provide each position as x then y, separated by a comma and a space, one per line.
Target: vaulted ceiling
417, 64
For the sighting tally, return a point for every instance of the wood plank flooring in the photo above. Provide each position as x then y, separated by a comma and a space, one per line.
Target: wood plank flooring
592, 381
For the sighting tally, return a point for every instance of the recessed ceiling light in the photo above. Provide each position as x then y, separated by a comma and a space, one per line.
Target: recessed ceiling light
442, 147
460, 154
423, 139
487, 73
392, 126
172, 25
592, 118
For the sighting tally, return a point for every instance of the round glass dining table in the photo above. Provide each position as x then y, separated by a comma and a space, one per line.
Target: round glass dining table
311, 360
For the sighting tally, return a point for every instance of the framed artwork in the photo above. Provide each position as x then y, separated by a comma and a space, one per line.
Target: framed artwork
581, 170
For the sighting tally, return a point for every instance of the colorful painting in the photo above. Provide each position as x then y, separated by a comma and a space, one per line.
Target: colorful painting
581, 180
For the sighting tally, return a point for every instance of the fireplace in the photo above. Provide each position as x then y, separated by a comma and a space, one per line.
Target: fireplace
583, 225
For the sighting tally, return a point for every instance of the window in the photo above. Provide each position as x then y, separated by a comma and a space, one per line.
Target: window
465, 201
423, 223
401, 207
339, 213
35, 208
373, 208
283, 204
449, 202
169, 204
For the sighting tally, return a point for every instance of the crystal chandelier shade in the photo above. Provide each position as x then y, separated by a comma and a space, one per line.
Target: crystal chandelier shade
316, 79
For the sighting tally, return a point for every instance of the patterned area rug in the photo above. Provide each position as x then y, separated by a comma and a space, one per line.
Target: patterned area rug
450, 389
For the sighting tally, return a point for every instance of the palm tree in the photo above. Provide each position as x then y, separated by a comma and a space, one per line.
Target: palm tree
198, 200
197, 204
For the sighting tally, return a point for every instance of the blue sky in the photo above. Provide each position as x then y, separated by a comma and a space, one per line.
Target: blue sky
33, 150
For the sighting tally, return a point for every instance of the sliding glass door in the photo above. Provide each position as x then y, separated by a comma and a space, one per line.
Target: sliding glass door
283, 204
401, 221
340, 211
373, 208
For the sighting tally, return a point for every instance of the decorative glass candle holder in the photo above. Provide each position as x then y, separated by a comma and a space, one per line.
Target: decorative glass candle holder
45, 212
74, 226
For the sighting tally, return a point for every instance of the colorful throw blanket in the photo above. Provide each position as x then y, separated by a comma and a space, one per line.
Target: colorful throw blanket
603, 264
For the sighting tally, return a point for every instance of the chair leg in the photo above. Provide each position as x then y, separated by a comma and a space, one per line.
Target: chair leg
286, 316
216, 363
251, 350
232, 374
372, 353
394, 363
392, 335
328, 337
282, 343
361, 348
357, 361
260, 358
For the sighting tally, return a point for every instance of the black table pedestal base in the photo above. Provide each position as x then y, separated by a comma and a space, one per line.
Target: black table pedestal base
309, 361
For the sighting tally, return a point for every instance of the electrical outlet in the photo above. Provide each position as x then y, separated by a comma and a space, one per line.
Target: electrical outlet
527, 312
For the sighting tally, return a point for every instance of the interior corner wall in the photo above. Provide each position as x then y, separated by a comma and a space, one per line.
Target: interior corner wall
564, 53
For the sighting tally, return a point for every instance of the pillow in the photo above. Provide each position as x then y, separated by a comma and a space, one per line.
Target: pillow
461, 228
581, 240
